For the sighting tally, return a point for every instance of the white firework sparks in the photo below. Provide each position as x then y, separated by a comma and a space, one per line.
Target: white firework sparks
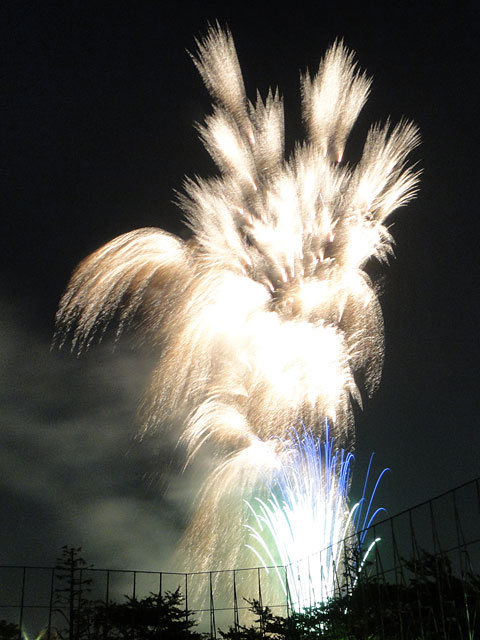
305, 529
266, 315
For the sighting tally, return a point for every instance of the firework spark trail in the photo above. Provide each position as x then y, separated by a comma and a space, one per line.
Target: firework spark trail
305, 528
266, 315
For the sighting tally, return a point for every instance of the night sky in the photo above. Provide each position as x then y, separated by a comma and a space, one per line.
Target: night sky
99, 107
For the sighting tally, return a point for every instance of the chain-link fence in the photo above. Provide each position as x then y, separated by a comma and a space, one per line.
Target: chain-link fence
419, 580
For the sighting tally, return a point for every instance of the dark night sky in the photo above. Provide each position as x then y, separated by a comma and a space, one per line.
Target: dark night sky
99, 105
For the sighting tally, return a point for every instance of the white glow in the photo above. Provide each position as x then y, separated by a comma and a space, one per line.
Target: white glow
264, 316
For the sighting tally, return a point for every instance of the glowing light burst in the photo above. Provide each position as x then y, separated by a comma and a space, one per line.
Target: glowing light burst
305, 530
266, 315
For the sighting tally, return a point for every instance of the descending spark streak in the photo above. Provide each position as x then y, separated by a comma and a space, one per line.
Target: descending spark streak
306, 526
266, 315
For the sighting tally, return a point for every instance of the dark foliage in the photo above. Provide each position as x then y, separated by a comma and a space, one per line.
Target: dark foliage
152, 617
432, 605
8, 630
428, 601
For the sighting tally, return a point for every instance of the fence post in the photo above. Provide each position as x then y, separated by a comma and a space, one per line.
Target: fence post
186, 600
236, 621
50, 605
399, 579
134, 601
159, 599
287, 591
107, 599
22, 603
213, 630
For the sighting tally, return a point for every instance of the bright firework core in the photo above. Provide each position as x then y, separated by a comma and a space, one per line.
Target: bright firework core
266, 316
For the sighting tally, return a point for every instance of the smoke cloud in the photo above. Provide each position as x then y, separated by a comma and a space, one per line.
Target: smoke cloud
73, 470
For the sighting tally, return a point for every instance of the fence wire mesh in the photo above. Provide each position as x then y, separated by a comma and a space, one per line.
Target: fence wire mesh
420, 580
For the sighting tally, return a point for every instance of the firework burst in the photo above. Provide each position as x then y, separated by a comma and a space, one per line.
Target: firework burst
306, 531
266, 315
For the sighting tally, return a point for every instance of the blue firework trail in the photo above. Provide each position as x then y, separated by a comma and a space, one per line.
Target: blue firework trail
305, 529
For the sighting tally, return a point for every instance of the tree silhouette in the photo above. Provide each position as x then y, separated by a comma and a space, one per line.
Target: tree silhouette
430, 602
153, 617
69, 600
433, 604
9, 630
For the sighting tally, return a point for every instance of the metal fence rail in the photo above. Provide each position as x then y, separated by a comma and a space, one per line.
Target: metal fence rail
420, 578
